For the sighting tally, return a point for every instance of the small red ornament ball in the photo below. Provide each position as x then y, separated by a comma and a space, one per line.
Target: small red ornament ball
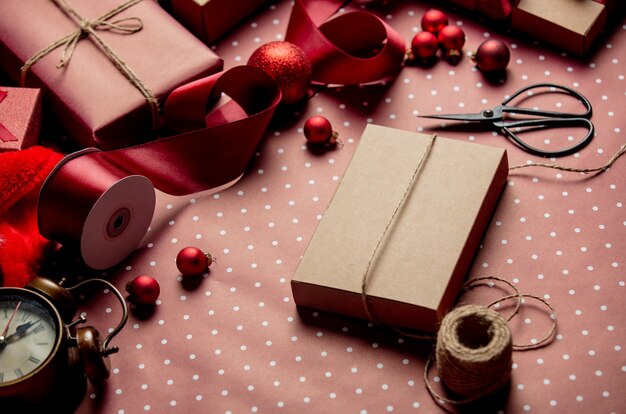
192, 261
434, 20
452, 38
317, 130
424, 45
288, 65
492, 55
143, 290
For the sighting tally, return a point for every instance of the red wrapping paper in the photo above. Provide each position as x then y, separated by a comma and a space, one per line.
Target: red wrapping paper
20, 118
210, 19
493, 9
91, 99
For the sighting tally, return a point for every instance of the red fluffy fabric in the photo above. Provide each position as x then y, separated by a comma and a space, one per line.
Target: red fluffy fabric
21, 246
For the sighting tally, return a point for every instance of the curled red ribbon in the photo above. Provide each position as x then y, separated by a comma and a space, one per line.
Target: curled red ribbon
207, 151
352, 48
5, 134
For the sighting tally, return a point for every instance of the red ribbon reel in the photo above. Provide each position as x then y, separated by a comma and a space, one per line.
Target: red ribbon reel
104, 201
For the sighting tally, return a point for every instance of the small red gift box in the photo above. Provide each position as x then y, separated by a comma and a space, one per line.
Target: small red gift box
126, 57
20, 118
210, 19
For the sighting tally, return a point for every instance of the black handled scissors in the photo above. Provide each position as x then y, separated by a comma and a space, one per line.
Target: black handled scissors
496, 117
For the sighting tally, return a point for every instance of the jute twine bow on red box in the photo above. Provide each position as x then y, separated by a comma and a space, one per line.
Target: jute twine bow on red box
5, 134
208, 151
88, 29
352, 48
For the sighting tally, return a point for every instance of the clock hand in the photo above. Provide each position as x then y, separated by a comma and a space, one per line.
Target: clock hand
19, 331
6, 328
3, 340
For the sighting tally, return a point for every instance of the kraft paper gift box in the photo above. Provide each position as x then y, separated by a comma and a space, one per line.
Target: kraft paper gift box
211, 19
92, 100
20, 117
572, 25
426, 252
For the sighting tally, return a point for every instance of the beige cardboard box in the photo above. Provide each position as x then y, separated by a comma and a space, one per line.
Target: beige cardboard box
572, 25
424, 257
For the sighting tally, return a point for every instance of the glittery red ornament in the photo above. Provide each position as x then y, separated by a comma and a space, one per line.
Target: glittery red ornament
192, 261
434, 20
318, 130
424, 45
492, 55
143, 290
288, 65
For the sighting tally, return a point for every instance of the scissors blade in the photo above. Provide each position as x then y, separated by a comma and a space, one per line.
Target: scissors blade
474, 117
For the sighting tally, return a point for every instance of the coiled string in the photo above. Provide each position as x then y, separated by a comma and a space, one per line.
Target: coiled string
474, 347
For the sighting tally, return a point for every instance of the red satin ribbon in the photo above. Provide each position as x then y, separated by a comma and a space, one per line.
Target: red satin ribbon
5, 134
207, 152
352, 48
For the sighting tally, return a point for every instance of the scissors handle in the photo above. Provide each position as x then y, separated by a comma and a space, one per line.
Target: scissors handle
541, 112
548, 123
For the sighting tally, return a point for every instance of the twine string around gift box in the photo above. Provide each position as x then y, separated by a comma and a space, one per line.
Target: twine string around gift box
89, 28
473, 344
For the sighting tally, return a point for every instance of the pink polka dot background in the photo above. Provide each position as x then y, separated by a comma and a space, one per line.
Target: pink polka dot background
234, 341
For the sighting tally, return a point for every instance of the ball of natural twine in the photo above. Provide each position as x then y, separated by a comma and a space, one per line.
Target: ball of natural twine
474, 351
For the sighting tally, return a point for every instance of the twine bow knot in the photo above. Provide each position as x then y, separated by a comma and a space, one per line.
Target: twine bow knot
128, 25
88, 29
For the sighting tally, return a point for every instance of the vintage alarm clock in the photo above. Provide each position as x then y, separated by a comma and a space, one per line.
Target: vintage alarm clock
42, 344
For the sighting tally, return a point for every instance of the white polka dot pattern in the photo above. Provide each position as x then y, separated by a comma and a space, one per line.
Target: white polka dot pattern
234, 342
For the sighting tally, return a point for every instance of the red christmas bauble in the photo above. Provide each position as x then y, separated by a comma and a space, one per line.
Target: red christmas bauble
143, 290
192, 261
288, 65
318, 130
434, 20
424, 45
492, 55
452, 38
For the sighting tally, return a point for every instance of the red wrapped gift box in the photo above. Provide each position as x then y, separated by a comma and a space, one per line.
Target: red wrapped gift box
493, 9
20, 118
91, 98
210, 19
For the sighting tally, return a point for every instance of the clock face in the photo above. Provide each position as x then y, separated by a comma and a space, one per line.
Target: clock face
28, 334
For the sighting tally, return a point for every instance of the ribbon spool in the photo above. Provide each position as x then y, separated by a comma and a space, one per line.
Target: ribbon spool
110, 217
103, 201
474, 351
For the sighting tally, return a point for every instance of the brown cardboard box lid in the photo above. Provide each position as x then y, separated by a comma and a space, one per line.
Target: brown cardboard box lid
428, 248
570, 24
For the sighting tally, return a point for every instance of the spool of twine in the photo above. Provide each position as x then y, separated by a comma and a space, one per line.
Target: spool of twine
474, 351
